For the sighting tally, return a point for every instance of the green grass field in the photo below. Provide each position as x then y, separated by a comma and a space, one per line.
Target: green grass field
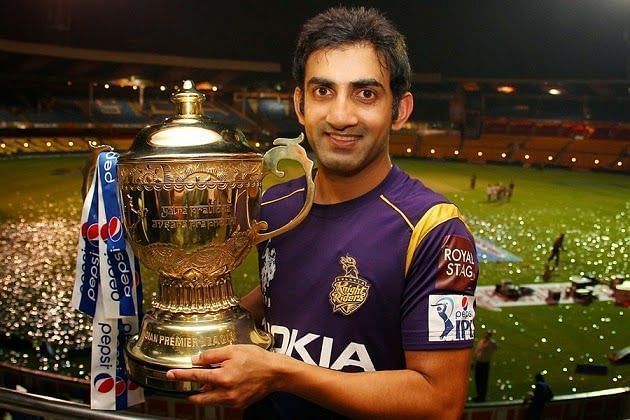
591, 208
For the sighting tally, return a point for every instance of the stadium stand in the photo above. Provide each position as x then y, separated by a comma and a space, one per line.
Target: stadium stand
527, 132
55, 111
490, 148
117, 111
274, 113
218, 111
403, 143
582, 154
439, 144
31, 145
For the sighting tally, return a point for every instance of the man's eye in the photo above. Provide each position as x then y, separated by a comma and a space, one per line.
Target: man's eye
321, 91
367, 94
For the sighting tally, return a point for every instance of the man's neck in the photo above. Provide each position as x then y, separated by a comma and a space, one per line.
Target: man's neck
331, 188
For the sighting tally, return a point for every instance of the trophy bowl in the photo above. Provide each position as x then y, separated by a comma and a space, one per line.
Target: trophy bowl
190, 192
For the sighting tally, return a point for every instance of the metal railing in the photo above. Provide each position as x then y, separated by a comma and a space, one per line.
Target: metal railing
54, 408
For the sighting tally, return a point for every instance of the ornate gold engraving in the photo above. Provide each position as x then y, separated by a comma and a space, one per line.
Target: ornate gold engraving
210, 260
181, 176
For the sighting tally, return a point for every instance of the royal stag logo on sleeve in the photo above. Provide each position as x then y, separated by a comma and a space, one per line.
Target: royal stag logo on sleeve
349, 290
457, 265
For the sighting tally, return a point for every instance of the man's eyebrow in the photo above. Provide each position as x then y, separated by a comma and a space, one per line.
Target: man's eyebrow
366, 83
319, 81
360, 83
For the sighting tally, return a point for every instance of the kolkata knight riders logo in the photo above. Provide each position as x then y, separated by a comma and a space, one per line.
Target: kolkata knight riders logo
349, 291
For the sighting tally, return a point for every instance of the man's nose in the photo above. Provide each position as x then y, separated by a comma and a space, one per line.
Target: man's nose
342, 113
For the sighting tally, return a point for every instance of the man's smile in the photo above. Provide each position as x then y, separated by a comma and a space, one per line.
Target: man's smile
342, 139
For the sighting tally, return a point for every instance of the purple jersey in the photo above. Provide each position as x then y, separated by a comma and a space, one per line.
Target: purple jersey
359, 282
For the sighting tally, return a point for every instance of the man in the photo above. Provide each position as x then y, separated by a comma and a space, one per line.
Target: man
483, 353
537, 399
370, 299
555, 250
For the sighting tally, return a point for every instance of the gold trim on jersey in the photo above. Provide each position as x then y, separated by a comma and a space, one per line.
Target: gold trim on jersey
435, 216
398, 210
282, 198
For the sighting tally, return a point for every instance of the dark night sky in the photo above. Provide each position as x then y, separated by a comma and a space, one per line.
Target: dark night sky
509, 38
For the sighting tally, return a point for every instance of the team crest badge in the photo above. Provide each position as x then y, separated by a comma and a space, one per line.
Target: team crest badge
349, 290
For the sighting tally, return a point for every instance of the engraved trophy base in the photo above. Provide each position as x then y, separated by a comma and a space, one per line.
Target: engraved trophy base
168, 340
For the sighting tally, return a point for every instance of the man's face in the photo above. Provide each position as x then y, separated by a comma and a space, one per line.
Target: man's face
347, 112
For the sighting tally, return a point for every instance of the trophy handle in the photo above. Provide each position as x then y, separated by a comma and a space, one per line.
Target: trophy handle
90, 165
287, 149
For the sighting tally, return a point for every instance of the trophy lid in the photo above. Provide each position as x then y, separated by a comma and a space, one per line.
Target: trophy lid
189, 134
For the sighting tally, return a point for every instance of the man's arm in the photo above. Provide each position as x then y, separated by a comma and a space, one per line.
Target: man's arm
253, 303
434, 384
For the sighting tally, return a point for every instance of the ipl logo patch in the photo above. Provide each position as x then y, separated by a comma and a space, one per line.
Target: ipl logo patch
349, 291
451, 318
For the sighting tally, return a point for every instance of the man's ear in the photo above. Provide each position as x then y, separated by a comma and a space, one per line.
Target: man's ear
405, 107
298, 104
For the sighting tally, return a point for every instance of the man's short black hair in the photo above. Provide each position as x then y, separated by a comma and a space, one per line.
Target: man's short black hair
342, 26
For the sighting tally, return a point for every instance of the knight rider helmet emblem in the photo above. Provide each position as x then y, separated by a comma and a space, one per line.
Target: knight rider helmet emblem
349, 290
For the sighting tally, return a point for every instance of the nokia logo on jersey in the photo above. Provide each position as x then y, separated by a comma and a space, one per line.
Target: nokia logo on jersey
293, 343
451, 318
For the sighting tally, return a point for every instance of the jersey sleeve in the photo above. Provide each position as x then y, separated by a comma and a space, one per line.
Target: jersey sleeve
438, 305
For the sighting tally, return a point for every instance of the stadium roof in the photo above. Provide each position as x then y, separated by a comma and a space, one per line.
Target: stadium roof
535, 44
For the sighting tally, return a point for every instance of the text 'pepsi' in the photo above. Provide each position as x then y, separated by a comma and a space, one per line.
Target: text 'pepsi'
108, 288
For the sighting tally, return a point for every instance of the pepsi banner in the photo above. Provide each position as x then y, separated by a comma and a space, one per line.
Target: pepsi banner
108, 288
116, 276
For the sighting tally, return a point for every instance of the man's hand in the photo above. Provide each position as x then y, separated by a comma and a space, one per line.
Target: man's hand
246, 374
